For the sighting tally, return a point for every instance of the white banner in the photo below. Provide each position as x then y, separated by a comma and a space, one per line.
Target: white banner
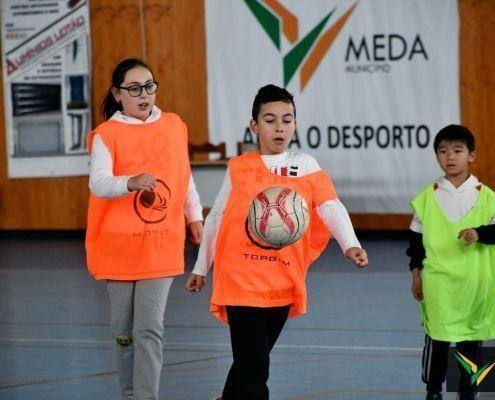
373, 80
46, 76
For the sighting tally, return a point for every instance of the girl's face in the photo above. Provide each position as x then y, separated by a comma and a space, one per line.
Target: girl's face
139, 106
275, 127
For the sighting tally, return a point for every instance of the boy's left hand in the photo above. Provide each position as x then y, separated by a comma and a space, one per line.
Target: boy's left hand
469, 235
196, 229
357, 255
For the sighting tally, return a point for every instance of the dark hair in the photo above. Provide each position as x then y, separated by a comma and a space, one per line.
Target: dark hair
109, 105
455, 132
268, 94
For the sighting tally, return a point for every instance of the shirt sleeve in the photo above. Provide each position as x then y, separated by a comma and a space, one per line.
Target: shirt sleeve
486, 234
310, 165
416, 250
416, 225
335, 217
193, 210
206, 253
102, 181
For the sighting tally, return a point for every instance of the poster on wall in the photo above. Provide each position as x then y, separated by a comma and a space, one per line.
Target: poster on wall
373, 81
46, 86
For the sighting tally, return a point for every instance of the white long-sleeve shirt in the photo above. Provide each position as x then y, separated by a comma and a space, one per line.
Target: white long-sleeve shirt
103, 183
332, 212
455, 202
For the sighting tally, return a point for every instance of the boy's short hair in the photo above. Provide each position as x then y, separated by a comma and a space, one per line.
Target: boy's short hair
268, 94
455, 132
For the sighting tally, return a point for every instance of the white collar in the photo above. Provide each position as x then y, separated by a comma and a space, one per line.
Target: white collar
469, 183
276, 157
155, 115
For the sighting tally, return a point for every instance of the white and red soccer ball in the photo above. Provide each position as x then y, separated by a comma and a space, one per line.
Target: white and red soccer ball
278, 217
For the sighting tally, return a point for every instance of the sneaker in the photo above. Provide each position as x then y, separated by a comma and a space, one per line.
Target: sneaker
467, 396
434, 396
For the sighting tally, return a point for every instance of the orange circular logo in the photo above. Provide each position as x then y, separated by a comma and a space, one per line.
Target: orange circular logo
152, 206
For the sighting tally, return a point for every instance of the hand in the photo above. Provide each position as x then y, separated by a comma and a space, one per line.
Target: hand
417, 286
195, 283
141, 182
357, 255
196, 232
469, 235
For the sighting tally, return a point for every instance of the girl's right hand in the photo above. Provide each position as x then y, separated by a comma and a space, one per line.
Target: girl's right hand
141, 182
195, 283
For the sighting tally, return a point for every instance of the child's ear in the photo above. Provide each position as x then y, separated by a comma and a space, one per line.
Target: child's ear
116, 94
472, 156
254, 126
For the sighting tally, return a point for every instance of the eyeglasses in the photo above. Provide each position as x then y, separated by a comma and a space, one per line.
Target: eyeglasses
136, 90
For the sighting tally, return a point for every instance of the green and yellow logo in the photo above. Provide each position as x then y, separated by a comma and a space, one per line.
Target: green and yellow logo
308, 52
471, 368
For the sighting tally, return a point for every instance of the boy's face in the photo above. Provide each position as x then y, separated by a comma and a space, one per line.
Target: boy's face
454, 157
275, 126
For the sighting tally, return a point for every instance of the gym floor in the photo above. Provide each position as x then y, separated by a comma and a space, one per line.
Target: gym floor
361, 338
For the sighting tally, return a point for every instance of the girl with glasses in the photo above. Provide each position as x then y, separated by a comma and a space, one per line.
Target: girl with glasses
141, 190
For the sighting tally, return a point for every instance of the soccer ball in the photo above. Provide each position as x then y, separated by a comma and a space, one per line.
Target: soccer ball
278, 216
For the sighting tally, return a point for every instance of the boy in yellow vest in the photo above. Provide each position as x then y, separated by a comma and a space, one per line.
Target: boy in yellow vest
451, 265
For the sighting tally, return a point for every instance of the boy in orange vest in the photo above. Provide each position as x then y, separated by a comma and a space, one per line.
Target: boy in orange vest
256, 289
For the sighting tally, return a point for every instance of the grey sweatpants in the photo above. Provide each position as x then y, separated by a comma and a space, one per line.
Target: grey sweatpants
137, 311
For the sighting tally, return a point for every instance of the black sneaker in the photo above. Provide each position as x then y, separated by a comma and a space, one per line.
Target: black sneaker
434, 396
467, 396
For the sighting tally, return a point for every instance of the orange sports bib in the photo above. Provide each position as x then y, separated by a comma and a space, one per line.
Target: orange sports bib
247, 275
141, 235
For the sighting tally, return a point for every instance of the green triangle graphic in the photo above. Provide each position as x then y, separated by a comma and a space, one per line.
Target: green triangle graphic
268, 21
295, 57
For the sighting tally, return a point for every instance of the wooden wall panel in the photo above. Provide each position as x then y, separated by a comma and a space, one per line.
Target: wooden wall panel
175, 48
478, 81
174, 45
115, 35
